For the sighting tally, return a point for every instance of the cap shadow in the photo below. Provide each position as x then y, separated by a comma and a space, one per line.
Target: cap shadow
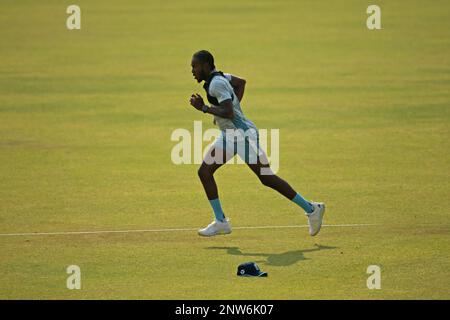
275, 259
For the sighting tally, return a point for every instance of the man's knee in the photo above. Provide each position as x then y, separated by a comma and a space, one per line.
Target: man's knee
204, 172
266, 180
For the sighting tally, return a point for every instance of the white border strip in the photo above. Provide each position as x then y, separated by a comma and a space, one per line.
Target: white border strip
168, 230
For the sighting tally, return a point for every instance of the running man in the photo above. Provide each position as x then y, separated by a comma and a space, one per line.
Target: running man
238, 135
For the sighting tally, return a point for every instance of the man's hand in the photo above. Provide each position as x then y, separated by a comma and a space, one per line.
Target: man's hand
197, 101
223, 110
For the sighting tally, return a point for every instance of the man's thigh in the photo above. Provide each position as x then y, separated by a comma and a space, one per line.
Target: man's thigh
218, 153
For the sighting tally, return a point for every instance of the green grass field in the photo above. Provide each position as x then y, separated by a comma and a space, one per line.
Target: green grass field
85, 126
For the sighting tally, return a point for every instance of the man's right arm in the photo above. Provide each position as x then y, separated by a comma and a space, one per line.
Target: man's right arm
222, 93
223, 110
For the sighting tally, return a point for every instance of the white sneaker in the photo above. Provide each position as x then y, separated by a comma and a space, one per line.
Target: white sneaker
315, 218
215, 228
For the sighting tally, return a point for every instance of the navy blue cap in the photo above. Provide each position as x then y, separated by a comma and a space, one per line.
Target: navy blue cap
250, 269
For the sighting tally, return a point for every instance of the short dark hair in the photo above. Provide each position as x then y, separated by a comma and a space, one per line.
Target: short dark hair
205, 57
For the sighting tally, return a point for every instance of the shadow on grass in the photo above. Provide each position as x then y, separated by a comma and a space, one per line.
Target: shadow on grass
274, 259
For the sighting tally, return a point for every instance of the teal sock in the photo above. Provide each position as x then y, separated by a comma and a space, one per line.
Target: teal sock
218, 212
298, 199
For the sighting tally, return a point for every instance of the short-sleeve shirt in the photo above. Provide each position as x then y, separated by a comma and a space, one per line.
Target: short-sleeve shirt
220, 88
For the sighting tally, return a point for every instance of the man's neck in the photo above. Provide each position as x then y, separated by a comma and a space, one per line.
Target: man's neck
209, 75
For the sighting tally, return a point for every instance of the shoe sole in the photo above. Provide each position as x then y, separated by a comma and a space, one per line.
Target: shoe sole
222, 233
321, 219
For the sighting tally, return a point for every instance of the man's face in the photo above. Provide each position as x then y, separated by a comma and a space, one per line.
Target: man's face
198, 70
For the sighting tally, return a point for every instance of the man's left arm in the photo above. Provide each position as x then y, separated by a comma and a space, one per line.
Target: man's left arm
238, 85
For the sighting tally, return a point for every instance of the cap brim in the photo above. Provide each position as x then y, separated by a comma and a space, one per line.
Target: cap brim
262, 274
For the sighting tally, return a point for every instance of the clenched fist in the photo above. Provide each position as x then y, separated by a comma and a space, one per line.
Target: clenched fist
196, 101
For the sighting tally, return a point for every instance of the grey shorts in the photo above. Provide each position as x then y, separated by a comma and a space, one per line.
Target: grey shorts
245, 144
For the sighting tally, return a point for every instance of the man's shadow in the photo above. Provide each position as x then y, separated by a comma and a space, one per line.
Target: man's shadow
274, 259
